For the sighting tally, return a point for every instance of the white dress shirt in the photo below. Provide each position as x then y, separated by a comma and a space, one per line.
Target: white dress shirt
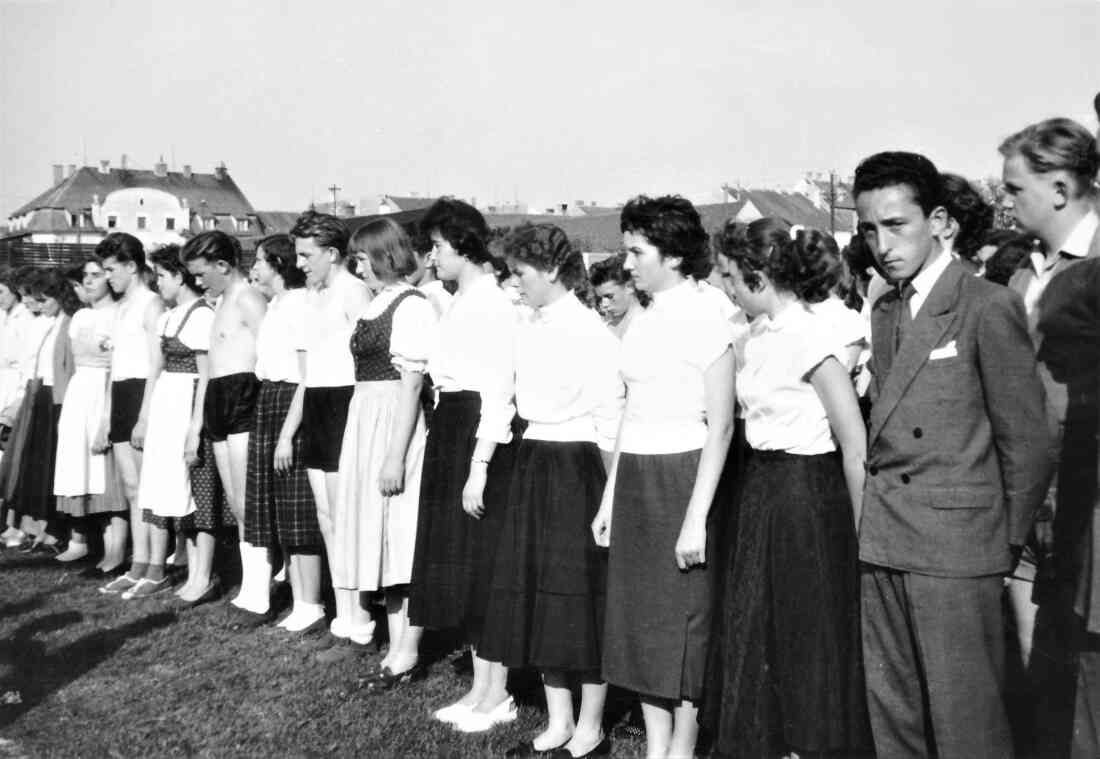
332, 316
476, 339
665, 354
283, 332
781, 408
567, 375
925, 280
1075, 246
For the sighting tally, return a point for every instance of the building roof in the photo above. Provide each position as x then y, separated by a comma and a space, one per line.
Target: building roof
74, 193
277, 222
601, 210
410, 203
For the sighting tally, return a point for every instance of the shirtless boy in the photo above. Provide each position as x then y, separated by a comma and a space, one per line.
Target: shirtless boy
213, 258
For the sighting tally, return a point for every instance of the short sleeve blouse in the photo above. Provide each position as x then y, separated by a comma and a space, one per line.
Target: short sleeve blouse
845, 326
89, 334
195, 333
781, 408
412, 334
665, 354
282, 334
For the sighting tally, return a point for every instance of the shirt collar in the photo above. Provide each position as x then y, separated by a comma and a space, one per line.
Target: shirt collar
553, 310
765, 323
675, 293
1076, 245
926, 278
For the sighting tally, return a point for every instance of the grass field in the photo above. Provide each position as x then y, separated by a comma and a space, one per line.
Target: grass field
85, 675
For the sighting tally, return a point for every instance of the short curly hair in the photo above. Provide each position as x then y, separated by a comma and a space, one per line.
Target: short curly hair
461, 225
1057, 145
546, 247
672, 225
809, 265
899, 168
280, 256
169, 258
325, 229
970, 211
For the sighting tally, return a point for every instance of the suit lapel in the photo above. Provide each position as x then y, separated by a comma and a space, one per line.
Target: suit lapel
929, 326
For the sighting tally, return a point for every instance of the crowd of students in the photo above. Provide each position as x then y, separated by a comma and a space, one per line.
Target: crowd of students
777, 490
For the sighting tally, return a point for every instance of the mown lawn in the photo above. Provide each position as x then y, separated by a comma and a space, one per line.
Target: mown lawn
86, 675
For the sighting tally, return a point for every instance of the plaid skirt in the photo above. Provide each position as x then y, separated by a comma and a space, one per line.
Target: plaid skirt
279, 509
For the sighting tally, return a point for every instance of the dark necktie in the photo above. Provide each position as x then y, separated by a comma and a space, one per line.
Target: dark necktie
905, 316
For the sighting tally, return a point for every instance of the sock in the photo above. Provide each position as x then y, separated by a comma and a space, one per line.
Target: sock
339, 627
361, 634
255, 592
304, 615
138, 569
74, 552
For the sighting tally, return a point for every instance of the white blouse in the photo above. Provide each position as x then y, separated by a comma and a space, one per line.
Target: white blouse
665, 354
847, 327
331, 320
412, 332
43, 367
474, 351
129, 347
437, 296
282, 334
781, 408
195, 333
567, 375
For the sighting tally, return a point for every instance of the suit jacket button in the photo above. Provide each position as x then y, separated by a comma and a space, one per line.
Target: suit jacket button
905, 479
872, 470
918, 432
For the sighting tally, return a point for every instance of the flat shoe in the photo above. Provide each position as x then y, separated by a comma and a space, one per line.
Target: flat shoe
479, 722
146, 588
527, 749
118, 585
603, 748
343, 650
386, 679
451, 714
243, 619
212, 592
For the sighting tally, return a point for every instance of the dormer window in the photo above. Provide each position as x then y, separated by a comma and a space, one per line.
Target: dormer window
112, 222
209, 223
170, 223
242, 225
141, 222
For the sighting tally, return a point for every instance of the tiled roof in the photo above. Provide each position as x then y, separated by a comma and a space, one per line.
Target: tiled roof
277, 222
75, 193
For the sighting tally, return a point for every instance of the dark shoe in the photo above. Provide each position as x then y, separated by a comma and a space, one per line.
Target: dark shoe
212, 593
386, 679
527, 749
95, 573
237, 618
628, 731
27, 546
46, 549
463, 664
343, 650
603, 748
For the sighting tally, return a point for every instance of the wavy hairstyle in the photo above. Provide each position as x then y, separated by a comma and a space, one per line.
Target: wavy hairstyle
214, 245
546, 247
325, 229
1057, 145
809, 265
672, 225
170, 258
970, 211
461, 225
52, 283
280, 256
124, 248
899, 168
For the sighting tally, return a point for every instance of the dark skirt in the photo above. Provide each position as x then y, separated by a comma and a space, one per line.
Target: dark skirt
454, 552
16, 446
787, 671
547, 596
34, 488
658, 618
279, 509
212, 511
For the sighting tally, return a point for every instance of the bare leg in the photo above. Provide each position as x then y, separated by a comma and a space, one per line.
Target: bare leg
200, 567
589, 730
115, 532
494, 685
188, 540
404, 638
78, 544
559, 712
231, 458
304, 572
128, 464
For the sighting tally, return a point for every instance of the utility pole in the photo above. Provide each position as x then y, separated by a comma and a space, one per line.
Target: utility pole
334, 189
832, 203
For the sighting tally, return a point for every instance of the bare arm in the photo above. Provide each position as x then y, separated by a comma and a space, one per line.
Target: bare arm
601, 524
392, 480
152, 345
253, 308
284, 446
194, 430
718, 399
834, 388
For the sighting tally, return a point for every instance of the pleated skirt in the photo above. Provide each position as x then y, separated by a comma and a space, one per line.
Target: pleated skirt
454, 552
658, 620
547, 594
279, 509
84, 482
787, 671
374, 536
34, 486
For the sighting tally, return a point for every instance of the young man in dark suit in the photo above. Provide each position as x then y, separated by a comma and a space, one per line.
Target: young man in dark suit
1049, 170
957, 464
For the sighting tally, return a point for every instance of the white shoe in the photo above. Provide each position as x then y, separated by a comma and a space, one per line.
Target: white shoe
479, 722
453, 713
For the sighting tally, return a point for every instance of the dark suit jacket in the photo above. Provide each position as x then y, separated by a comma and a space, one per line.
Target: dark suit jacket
957, 457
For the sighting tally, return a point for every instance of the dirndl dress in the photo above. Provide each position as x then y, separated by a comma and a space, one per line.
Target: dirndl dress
547, 596
165, 488
375, 535
85, 482
453, 561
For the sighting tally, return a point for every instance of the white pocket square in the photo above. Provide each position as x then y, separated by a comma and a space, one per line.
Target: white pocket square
947, 351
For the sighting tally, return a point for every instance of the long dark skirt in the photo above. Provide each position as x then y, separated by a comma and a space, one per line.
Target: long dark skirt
16, 446
279, 509
658, 619
546, 600
454, 551
789, 672
34, 488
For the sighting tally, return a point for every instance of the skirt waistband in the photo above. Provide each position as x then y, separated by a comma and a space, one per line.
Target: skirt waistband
774, 455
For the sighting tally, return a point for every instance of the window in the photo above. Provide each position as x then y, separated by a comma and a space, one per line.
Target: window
86, 220
112, 222
242, 225
170, 223
141, 222
208, 223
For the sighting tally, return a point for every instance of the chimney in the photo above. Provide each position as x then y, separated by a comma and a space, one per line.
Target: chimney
122, 162
70, 170
160, 168
220, 171
187, 171
58, 173
104, 167
95, 199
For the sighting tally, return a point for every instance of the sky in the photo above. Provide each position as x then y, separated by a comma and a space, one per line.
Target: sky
548, 103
